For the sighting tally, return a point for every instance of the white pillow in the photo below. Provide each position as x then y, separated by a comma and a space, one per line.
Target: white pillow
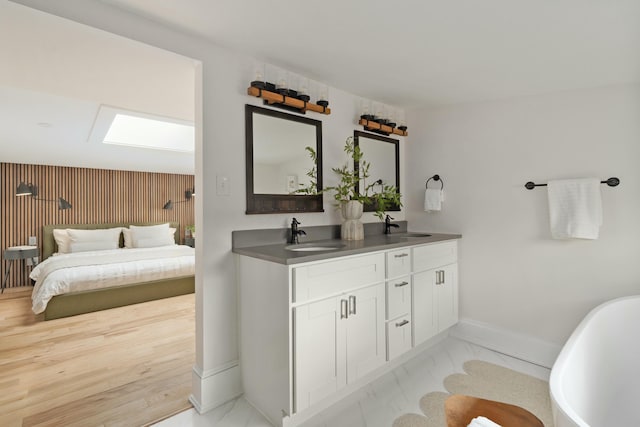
149, 229
149, 236
63, 240
103, 235
92, 246
128, 240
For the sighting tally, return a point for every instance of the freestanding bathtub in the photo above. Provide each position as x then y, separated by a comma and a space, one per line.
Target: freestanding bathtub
595, 381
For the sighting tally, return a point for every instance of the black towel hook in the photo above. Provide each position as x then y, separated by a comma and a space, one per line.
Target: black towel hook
436, 177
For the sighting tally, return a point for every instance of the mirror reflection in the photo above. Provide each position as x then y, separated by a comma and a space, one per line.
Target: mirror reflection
282, 174
383, 154
280, 162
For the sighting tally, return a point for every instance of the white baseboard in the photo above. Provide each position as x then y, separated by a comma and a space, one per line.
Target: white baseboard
215, 387
513, 344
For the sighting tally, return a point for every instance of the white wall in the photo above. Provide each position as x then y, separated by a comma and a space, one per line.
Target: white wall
512, 274
226, 77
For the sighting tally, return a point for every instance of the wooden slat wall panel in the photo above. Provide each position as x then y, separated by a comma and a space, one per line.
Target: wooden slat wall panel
97, 196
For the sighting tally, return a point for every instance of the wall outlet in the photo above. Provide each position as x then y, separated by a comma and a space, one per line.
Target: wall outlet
35, 261
33, 240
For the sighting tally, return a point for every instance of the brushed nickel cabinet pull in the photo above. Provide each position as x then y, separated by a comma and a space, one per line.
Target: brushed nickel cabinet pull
352, 304
401, 284
401, 255
404, 322
343, 309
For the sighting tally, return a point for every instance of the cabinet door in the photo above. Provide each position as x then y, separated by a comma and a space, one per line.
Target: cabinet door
365, 331
319, 340
424, 310
447, 297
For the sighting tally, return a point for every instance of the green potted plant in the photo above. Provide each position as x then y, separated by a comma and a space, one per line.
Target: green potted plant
351, 200
192, 230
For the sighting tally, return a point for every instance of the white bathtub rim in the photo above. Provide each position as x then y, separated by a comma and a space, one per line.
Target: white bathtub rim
558, 397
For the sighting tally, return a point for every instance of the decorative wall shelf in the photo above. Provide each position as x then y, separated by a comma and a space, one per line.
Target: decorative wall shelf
380, 128
273, 98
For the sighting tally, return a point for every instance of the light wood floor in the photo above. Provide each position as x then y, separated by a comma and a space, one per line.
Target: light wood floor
128, 366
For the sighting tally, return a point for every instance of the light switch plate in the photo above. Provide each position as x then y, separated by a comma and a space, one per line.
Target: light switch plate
222, 185
33, 240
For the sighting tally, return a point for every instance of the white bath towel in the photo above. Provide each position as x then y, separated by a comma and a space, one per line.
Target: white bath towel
433, 199
575, 208
482, 422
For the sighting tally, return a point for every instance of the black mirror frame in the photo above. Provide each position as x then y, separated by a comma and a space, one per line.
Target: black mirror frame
369, 207
280, 203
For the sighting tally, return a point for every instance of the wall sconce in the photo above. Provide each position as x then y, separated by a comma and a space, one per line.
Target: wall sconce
188, 194
31, 190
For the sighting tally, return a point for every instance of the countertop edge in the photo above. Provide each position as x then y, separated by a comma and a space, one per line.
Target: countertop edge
277, 254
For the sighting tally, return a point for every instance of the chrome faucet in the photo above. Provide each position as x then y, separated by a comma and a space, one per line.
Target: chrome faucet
295, 232
388, 225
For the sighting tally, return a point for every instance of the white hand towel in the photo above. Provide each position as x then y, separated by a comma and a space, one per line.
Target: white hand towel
433, 199
482, 422
575, 208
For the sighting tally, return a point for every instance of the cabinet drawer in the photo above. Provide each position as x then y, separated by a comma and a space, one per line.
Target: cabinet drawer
332, 277
398, 262
435, 255
398, 297
398, 336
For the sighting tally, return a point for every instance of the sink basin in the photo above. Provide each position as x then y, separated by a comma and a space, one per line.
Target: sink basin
314, 247
409, 234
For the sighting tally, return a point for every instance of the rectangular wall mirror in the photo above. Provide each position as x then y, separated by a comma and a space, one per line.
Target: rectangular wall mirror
383, 155
278, 163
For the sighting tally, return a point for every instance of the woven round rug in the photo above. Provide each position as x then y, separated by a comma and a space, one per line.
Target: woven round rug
487, 381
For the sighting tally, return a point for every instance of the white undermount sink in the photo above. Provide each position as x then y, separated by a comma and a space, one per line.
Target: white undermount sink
314, 247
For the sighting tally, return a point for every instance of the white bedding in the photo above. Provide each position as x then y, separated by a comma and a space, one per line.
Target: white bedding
74, 272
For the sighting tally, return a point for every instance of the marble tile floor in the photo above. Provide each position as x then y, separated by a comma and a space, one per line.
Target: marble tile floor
378, 403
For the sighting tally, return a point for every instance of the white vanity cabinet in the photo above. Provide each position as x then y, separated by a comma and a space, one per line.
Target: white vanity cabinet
435, 290
311, 333
338, 339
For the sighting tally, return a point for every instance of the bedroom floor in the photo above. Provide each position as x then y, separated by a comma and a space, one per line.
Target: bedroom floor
378, 403
126, 366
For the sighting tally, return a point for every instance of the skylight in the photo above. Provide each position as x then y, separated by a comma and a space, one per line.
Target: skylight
133, 129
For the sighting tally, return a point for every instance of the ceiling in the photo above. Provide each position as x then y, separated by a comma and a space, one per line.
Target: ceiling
410, 53
419, 53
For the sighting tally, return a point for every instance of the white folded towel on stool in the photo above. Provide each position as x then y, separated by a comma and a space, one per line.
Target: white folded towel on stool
482, 422
575, 208
433, 199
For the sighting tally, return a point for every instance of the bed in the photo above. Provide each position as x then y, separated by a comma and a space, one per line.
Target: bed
182, 281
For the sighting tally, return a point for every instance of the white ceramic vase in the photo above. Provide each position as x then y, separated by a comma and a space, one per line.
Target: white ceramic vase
352, 228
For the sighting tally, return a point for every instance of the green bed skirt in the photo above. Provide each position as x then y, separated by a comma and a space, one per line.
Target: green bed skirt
102, 299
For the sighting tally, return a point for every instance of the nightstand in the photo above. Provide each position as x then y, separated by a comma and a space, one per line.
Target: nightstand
190, 241
16, 253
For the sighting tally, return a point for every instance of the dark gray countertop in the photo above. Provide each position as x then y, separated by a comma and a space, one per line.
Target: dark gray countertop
279, 254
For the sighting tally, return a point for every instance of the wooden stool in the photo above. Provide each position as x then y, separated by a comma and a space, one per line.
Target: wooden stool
460, 410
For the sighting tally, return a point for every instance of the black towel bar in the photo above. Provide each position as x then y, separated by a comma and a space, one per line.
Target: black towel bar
611, 182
